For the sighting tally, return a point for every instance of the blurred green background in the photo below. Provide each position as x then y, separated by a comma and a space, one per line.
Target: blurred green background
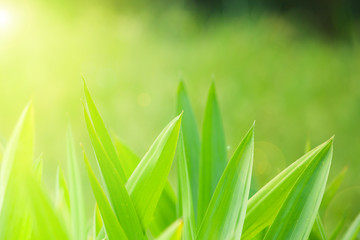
299, 80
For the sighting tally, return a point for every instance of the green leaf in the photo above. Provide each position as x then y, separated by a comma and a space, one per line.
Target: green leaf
353, 231
97, 221
77, 211
47, 222
112, 172
191, 140
213, 153
128, 159
225, 215
62, 198
16, 163
102, 234
332, 188
165, 213
185, 197
297, 214
173, 232
338, 227
113, 228
265, 204
101, 133
147, 182
320, 227
38, 167
18, 149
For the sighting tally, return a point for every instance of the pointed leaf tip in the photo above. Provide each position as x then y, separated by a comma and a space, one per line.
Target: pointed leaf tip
181, 85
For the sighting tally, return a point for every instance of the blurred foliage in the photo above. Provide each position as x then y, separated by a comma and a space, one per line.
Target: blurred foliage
266, 67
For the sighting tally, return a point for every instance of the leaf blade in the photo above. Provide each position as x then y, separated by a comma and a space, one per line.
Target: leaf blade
146, 183
191, 140
113, 228
185, 193
165, 211
303, 201
213, 153
265, 204
77, 211
226, 212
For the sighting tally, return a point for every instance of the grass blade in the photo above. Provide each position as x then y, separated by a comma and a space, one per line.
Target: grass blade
191, 140
226, 213
16, 163
47, 222
332, 188
21, 130
338, 228
213, 153
102, 133
165, 211
112, 172
38, 168
77, 211
173, 232
147, 182
266, 203
320, 226
113, 228
62, 197
97, 222
185, 197
353, 231
303, 202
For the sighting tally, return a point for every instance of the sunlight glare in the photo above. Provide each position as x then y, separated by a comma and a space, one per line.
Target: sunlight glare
5, 19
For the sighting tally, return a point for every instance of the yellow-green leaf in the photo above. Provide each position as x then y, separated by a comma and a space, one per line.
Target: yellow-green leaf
225, 215
213, 153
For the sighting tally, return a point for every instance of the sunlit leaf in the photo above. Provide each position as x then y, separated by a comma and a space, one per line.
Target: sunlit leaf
320, 227
225, 215
21, 138
297, 214
353, 231
77, 211
334, 235
265, 204
111, 171
191, 140
62, 197
173, 232
185, 199
47, 223
332, 188
97, 222
165, 213
213, 153
38, 167
148, 180
113, 228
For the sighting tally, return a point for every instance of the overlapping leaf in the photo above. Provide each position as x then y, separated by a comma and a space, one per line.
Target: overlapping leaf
77, 211
112, 172
165, 211
265, 204
226, 212
113, 228
191, 140
173, 232
353, 231
213, 153
148, 180
185, 198
297, 214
